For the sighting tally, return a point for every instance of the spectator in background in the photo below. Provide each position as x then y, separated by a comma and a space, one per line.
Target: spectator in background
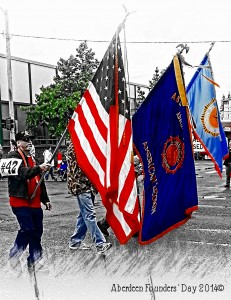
32, 151
13, 145
227, 164
47, 159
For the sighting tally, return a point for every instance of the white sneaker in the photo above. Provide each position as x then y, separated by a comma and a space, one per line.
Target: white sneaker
79, 246
104, 247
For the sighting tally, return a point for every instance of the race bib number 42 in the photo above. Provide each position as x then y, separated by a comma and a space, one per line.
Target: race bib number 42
9, 166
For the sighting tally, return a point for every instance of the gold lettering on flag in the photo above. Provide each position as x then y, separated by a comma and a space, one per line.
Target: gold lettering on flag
152, 176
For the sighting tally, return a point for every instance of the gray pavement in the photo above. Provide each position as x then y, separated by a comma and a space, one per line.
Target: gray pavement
191, 262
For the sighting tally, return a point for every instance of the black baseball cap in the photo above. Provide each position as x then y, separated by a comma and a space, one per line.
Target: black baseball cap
23, 136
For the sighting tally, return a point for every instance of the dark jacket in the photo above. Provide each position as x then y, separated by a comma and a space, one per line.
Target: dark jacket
17, 185
228, 159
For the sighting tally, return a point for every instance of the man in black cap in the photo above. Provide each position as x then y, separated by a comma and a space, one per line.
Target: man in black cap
28, 211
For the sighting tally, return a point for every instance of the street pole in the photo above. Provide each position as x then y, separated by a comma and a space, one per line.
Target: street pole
9, 75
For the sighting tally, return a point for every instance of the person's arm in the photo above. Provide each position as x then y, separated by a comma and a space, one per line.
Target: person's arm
25, 172
44, 196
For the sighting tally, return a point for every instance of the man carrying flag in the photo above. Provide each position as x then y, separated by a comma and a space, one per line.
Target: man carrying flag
204, 111
101, 133
162, 139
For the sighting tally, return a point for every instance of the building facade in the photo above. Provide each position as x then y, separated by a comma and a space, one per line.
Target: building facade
27, 79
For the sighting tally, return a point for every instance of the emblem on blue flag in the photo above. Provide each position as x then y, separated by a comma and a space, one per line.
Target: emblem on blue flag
209, 118
173, 154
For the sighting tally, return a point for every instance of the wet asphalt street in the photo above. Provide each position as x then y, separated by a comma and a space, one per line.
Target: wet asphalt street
191, 262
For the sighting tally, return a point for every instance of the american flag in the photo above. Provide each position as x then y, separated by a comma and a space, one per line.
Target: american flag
101, 132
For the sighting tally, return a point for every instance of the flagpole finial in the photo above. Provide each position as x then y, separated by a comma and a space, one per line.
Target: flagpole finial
127, 13
125, 8
183, 47
211, 46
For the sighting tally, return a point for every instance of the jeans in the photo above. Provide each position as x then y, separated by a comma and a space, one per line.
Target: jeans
50, 172
86, 220
31, 229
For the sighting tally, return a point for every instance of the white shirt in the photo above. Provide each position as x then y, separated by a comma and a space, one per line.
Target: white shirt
47, 157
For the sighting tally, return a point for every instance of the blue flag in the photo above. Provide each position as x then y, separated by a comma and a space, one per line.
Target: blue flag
204, 110
162, 139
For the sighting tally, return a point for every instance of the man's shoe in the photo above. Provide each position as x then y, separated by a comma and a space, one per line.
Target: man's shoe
103, 226
104, 247
37, 266
227, 185
79, 246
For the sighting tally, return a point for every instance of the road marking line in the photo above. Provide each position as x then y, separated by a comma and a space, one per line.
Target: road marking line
220, 199
212, 197
210, 244
215, 206
211, 230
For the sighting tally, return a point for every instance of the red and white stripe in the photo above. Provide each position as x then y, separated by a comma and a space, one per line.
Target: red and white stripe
94, 143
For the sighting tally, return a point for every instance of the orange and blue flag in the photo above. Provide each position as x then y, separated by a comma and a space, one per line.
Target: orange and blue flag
162, 140
203, 106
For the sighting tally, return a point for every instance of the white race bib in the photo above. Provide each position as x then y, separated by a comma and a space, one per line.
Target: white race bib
9, 166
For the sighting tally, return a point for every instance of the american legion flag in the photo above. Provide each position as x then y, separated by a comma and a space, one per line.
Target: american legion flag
162, 138
203, 106
101, 133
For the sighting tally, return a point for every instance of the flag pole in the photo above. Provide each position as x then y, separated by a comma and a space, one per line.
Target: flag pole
126, 70
210, 66
124, 20
191, 121
53, 155
213, 82
211, 47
